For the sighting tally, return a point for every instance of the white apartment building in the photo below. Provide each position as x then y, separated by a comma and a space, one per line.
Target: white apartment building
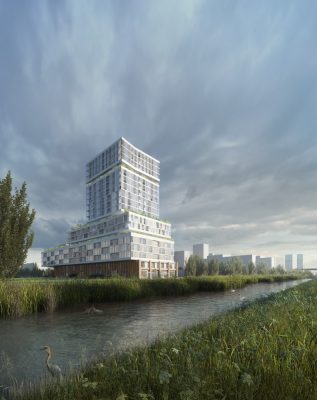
219, 257
300, 261
245, 259
201, 250
267, 261
181, 257
289, 261
122, 197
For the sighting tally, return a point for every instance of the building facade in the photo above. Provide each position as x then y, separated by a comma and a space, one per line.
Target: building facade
123, 227
201, 250
267, 261
181, 257
289, 261
219, 257
300, 261
245, 259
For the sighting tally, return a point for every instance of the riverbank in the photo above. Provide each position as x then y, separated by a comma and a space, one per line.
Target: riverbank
265, 350
20, 297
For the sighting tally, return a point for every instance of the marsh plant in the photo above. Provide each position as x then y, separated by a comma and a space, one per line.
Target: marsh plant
264, 350
26, 296
21, 297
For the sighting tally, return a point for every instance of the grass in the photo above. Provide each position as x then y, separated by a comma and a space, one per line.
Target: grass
265, 350
26, 296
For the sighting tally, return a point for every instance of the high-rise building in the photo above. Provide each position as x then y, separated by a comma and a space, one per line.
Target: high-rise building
245, 259
219, 257
201, 250
122, 177
181, 257
289, 261
124, 234
300, 261
267, 261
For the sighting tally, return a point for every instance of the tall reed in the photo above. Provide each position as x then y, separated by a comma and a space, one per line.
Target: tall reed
266, 350
25, 296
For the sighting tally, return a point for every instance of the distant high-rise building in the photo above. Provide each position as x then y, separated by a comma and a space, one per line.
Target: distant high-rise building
218, 257
181, 257
300, 261
245, 259
124, 234
289, 261
267, 261
201, 250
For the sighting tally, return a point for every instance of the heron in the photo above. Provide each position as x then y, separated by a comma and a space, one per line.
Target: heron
93, 310
54, 369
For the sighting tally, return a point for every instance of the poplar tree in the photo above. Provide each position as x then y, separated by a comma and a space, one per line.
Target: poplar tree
15, 221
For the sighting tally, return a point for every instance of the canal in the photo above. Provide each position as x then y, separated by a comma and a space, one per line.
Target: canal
77, 337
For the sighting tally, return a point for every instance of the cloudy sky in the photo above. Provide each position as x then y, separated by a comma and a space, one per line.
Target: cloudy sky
223, 93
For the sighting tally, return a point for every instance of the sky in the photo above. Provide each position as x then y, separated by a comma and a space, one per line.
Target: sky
223, 93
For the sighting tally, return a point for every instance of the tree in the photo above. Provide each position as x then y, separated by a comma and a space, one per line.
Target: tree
195, 266
201, 266
28, 273
280, 270
15, 221
262, 268
251, 268
191, 266
213, 267
223, 269
235, 265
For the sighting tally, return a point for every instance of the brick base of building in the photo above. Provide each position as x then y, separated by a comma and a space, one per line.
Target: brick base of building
126, 268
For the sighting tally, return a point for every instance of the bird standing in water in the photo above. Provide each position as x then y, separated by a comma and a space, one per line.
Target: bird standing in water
54, 369
93, 310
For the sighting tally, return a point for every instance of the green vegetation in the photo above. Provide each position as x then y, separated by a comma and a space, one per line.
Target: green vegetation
15, 222
265, 350
25, 296
35, 272
196, 266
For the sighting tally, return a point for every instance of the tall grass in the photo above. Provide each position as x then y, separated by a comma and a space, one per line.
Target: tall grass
265, 350
23, 296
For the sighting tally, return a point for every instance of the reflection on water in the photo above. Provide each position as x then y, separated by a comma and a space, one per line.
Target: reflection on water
77, 337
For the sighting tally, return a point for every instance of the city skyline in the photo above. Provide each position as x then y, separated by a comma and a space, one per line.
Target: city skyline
223, 95
297, 258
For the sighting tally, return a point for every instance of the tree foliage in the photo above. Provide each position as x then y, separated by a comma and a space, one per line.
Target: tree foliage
34, 272
262, 269
250, 268
279, 269
15, 221
213, 266
191, 266
202, 268
196, 266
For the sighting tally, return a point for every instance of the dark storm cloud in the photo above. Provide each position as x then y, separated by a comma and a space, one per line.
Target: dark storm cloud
222, 93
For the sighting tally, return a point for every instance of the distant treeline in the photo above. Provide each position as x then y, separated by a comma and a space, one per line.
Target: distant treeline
196, 266
35, 272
